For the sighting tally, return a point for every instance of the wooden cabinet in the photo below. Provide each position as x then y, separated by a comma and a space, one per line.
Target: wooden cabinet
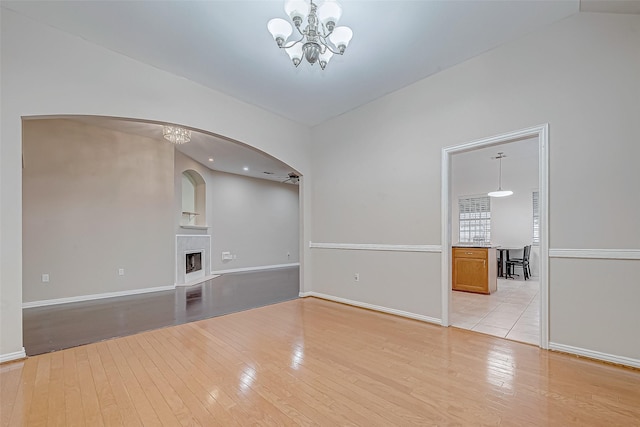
474, 270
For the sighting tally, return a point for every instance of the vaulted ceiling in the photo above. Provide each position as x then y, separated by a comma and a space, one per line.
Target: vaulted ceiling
225, 45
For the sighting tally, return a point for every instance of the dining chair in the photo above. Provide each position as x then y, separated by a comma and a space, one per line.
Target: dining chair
521, 262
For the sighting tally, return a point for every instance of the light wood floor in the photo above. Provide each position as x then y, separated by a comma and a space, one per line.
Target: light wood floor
314, 362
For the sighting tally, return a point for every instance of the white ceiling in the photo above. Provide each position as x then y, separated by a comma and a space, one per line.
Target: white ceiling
225, 45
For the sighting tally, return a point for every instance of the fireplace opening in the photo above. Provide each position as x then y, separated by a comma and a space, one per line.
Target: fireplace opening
194, 262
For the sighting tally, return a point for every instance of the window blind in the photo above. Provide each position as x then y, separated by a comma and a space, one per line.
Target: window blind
474, 219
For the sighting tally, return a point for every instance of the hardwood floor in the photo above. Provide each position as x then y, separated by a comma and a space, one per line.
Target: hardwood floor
62, 326
314, 362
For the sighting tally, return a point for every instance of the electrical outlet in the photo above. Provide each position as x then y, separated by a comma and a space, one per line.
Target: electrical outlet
356, 277
45, 278
121, 272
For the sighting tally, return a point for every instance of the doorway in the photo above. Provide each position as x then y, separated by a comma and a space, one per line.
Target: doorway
523, 300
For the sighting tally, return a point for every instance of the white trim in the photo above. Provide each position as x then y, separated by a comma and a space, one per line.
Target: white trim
379, 308
376, 247
16, 355
258, 268
79, 298
612, 358
596, 253
541, 132
197, 281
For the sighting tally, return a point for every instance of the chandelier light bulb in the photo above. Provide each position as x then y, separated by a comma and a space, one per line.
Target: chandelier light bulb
296, 10
329, 14
295, 53
279, 29
341, 37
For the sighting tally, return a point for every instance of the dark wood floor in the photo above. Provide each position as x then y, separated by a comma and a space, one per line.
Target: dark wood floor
63, 326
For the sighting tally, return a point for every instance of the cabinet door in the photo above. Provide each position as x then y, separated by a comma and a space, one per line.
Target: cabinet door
470, 274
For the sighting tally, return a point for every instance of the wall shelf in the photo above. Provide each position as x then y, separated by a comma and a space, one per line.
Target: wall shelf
195, 227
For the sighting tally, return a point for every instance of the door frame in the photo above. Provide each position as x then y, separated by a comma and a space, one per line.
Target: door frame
541, 132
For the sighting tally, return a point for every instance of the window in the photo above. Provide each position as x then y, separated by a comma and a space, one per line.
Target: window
536, 220
474, 219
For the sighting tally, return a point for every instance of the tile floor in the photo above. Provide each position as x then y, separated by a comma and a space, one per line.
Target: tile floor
512, 312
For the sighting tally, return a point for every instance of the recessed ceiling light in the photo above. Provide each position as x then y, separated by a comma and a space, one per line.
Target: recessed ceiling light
211, 159
246, 168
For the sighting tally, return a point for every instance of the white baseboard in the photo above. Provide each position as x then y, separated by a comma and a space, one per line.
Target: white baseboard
373, 307
258, 268
612, 358
56, 301
16, 355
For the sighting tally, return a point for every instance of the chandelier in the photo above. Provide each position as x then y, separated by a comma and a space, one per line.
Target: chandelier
319, 40
176, 134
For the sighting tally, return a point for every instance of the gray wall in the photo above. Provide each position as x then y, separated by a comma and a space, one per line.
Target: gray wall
378, 178
254, 219
94, 201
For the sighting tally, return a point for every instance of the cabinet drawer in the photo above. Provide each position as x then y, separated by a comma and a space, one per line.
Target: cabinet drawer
469, 253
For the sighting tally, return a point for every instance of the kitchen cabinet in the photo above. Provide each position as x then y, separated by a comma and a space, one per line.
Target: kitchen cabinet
474, 269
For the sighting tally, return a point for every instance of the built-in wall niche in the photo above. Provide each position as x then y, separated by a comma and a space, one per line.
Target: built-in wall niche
194, 196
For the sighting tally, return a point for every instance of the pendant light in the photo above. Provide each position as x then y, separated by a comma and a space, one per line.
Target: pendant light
500, 192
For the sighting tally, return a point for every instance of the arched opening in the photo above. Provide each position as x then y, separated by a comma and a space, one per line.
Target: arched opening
112, 209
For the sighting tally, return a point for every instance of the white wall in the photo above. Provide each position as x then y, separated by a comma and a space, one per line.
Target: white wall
377, 179
94, 201
47, 72
255, 219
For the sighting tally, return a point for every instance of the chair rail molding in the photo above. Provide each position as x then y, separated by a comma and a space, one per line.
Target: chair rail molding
633, 254
376, 247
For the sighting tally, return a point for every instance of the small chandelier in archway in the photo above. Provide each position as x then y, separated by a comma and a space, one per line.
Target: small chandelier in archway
176, 134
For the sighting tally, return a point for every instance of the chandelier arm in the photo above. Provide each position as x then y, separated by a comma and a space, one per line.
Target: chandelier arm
292, 44
335, 52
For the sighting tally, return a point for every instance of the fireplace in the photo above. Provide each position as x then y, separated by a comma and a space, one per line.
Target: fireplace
194, 262
193, 258
193, 265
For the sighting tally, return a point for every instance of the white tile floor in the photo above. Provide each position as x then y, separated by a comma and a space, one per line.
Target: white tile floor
512, 312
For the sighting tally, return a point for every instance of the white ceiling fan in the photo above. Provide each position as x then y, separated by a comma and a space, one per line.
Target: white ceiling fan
294, 178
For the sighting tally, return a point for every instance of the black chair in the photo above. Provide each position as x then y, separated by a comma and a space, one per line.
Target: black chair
521, 262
